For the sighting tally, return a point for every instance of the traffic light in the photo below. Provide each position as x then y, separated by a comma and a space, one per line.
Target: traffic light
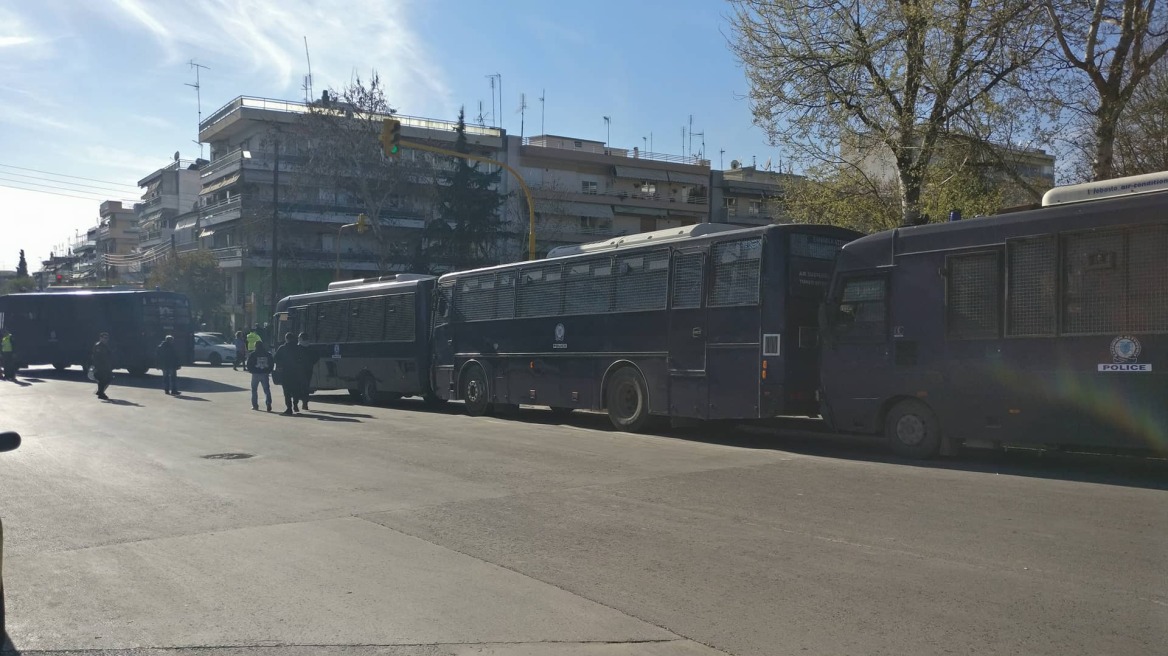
362, 223
390, 137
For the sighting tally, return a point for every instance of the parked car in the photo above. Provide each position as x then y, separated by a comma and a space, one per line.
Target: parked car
213, 348
8, 442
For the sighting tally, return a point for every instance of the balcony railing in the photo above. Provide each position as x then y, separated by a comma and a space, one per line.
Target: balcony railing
291, 107
537, 142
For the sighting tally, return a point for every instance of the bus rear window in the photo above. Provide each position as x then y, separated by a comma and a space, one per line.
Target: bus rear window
816, 247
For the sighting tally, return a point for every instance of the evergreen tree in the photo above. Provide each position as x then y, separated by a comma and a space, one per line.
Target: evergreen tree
469, 224
22, 267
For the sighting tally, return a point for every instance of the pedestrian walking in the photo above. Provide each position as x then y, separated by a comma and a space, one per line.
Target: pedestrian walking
240, 351
289, 371
7, 355
166, 357
259, 363
102, 361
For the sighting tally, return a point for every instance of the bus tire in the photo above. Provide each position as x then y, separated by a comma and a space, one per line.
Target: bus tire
912, 430
627, 400
369, 394
60, 366
474, 391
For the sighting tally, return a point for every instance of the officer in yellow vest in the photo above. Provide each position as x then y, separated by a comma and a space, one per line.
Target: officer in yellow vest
252, 338
7, 355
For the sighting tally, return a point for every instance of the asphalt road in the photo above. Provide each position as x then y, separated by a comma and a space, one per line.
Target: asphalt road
412, 531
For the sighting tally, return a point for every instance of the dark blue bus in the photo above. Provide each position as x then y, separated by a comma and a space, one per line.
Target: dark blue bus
1046, 327
60, 327
706, 322
370, 337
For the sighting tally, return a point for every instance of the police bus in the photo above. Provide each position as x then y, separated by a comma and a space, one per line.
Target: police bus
61, 327
370, 337
706, 321
1042, 327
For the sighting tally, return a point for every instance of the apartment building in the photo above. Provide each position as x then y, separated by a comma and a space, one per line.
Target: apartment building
747, 196
167, 193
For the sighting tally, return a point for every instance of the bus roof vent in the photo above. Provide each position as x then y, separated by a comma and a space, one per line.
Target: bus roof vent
1089, 191
398, 277
642, 238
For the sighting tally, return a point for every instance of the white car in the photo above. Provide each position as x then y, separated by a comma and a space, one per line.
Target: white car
211, 347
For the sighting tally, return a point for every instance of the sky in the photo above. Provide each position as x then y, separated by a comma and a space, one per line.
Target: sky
95, 95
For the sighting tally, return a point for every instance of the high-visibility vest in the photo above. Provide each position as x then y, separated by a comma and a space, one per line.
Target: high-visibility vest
6, 344
252, 338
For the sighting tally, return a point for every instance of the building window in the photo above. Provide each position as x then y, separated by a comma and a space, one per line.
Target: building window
589, 187
578, 144
755, 207
648, 188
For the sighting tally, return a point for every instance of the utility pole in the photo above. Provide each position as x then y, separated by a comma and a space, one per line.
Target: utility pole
275, 232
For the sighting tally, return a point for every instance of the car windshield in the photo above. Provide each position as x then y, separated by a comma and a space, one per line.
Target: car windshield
213, 339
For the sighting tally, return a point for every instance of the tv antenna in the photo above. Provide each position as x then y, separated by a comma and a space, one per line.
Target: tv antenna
496, 118
542, 107
522, 113
198, 98
481, 118
308, 78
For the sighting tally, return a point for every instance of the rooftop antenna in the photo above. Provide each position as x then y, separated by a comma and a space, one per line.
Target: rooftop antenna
495, 118
522, 113
199, 98
542, 107
683, 140
690, 152
481, 118
307, 80
721, 152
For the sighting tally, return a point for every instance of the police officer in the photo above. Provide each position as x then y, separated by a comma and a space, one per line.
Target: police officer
7, 355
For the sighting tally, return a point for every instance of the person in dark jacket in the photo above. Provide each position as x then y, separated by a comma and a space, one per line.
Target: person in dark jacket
102, 361
308, 363
240, 351
290, 370
259, 363
166, 357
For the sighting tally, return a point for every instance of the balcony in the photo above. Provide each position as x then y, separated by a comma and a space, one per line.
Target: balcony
632, 156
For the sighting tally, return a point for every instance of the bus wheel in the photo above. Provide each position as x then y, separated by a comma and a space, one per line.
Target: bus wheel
627, 400
369, 394
913, 430
474, 391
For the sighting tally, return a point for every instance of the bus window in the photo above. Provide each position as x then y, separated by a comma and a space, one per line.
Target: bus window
366, 319
587, 286
1031, 294
736, 273
862, 314
687, 281
1147, 270
642, 281
330, 322
476, 297
540, 291
972, 296
399, 318
1094, 289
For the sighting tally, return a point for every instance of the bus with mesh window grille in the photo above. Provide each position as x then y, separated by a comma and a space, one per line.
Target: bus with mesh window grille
705, 322
1045, 328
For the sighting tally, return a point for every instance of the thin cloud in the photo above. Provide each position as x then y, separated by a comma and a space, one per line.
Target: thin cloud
10, 41
267, 38
152, 121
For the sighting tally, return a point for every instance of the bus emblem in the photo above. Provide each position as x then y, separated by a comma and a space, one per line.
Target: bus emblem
560, 337
1125, 355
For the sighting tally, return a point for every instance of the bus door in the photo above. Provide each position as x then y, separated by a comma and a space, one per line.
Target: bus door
688, 383
856, 355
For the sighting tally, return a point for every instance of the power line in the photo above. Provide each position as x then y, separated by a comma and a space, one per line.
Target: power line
62, 175
72, 184
53, 193
76, 191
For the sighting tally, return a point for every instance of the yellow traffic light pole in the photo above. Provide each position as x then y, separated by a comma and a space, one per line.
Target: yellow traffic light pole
391, 144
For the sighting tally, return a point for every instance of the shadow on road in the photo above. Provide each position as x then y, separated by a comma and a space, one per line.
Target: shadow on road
148, 381
183, 397
122, 402
6, 646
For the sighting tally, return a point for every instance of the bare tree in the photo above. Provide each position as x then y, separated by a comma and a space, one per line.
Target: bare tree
1141, 138
839, 82
342, 160
1112, 46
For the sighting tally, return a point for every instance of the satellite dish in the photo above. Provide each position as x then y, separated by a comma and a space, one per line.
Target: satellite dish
176, 155
735, 164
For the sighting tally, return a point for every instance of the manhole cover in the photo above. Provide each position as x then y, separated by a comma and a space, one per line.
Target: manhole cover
229, 456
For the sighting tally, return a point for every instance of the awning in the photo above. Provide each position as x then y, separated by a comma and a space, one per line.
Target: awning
186, 223
206, 233
689, 178
219, 184
637, 173
591, 210
643, 211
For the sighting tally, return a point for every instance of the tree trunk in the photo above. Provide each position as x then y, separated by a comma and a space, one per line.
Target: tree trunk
910, 195
1103, 165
